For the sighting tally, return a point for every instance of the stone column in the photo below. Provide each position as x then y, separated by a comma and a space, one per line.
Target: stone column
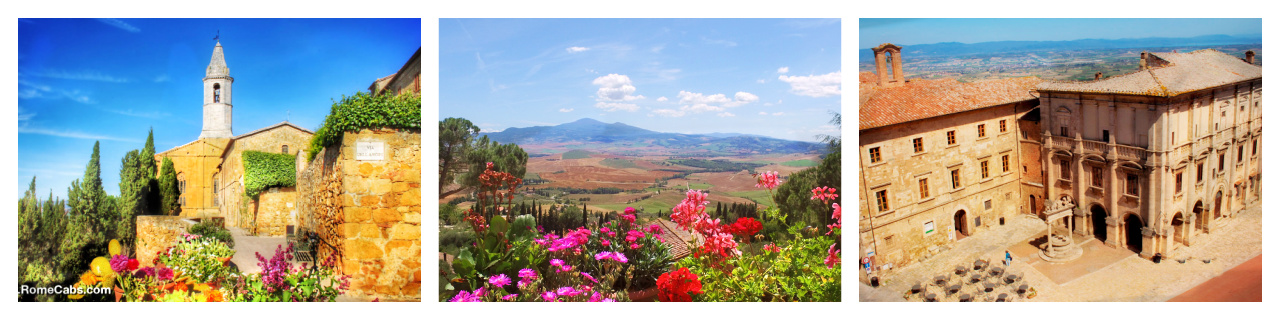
882, 71
1113, 184
898, 77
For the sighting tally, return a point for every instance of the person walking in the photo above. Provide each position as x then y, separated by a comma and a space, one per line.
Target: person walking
1008, 258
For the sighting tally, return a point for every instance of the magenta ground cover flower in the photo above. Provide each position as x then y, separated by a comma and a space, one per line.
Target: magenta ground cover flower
567, 292
528, 274
500, 280
589, 277
655, 229
509, 297
549, 296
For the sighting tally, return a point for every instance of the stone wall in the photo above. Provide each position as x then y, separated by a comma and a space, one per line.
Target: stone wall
156, 233
196, 164
280, 138
368, 212
274, 210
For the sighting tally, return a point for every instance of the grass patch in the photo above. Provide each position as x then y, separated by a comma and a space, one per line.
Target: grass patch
663, 202
620, 163
531, 175
759, 196
800, 163
575, 154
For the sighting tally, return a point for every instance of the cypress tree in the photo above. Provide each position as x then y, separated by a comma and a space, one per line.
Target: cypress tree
168, 182
147, 160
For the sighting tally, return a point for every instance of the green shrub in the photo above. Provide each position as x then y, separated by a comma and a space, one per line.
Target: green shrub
364, 111
209, 230
265, 170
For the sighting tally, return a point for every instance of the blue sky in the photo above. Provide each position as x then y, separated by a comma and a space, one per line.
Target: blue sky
109, 80
873, 32
773, 77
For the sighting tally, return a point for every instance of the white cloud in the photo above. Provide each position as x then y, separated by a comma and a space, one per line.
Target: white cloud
131, 113
726, 43
616, 106
120, 24
764, 113
760, 81
161, 78
662, 99
692, 102
69, 134
30, 90
670, 113
784, 69
82, 75
576, 49
24, 116
814, 86
615, 89
566, 109
777, 113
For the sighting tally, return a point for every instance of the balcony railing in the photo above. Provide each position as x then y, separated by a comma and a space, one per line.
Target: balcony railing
1095, 146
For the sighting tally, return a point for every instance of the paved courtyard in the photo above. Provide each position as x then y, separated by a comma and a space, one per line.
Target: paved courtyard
1102, 274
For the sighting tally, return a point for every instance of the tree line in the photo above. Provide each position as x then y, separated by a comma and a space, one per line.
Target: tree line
58, 238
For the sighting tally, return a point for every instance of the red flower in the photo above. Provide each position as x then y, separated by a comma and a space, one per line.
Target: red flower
676, 286
133, 264
746, 227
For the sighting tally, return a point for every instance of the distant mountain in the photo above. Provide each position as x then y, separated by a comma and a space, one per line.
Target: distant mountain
599, 135
960, 49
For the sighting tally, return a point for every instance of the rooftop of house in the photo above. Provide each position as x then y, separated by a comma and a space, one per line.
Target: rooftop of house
1170, 74
922, 99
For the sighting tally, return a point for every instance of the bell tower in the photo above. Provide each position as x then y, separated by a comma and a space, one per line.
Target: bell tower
217, 97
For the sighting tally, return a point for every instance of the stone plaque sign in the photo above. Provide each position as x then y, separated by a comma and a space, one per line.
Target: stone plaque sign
370, 151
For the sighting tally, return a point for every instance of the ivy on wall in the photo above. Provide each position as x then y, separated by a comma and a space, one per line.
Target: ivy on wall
264, 170
365, 111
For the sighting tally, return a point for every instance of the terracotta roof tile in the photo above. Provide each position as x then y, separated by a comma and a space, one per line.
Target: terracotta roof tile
1185, 72
922, 99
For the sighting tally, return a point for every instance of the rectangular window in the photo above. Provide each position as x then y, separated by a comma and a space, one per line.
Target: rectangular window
875, 154
1106, 136
1177, 183
984, 169
1064, 167
982, 130
1002, 126
1200, 172
1063, 131
1004, 163
924, 188
882, 200
1240, 154
987, 204
1222, 160
951, 138
1097, 176
1131, 185
955, 179
918, 143
1255, 147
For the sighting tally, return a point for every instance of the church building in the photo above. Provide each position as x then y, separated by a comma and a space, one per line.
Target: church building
210, 173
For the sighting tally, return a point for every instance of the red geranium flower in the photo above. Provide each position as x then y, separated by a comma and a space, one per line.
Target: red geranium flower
676, 286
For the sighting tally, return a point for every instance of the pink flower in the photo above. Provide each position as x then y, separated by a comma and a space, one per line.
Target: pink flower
835, 215
509, 297
604, 255
629, 215
567, 291
605, 242
596, 297
464, 296
565, 268
768, 180
832, 257
523, 283
654, 229
772, 248
500, 280
629, 210
527, 273
589, 277
619, 257
824, 194
691, 210
557, 262
635, 246
549, 296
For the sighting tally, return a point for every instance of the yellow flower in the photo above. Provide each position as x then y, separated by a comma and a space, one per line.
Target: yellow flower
114, 247
101, 266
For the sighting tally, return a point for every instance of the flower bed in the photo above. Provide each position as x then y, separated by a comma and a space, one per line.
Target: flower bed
607, 262
197, 269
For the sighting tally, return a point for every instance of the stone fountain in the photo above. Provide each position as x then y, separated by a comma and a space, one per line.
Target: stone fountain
1059, 247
